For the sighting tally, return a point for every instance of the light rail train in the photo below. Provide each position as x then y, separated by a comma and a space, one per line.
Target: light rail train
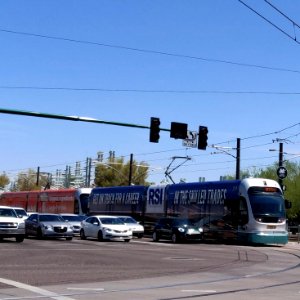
251, 210
49, 201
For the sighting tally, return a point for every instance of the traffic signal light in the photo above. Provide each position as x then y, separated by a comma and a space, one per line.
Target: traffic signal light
202, 137
154, 130
178, 130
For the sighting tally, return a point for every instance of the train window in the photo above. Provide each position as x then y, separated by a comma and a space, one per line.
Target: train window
243, 211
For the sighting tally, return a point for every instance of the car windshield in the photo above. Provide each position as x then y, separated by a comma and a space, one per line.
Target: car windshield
51, 218
21, 212
112, 221
128, 220
73, 218
183, 222
7, 212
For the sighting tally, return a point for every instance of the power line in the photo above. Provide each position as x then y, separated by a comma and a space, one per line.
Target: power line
148, 90
261, 135
268, 21
288, 18
147, 50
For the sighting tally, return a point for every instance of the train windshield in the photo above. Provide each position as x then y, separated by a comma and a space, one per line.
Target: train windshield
267, 206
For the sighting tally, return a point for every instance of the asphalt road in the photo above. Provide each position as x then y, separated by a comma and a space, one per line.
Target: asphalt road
142, 269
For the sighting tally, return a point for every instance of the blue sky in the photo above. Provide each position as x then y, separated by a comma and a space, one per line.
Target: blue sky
211, 62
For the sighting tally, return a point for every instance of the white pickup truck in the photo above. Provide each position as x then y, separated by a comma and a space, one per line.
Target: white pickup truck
11, 226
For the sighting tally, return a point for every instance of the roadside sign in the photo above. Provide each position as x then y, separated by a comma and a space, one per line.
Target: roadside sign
191, 140
281, 172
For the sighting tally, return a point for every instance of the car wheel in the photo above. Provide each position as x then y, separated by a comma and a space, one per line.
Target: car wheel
69, 238
100, 236
82, 235
174, 238
39, 234
155, 237
19, 239
140, 235
127, 240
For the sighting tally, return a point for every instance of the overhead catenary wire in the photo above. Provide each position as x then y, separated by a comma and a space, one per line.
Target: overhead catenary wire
283, 14
117, 90
148, 51
270, 22
261, 135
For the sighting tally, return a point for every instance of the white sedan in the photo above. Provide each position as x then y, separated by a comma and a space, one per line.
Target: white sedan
105, 228
136, 227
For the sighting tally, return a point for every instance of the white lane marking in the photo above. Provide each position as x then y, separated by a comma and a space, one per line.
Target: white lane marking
34, 289
85, 289
198, 291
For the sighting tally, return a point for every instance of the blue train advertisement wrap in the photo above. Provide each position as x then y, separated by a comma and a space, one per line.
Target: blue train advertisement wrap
199, 200
117, 200
251, 210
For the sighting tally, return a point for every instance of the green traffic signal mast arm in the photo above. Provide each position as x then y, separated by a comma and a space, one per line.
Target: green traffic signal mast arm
71, 118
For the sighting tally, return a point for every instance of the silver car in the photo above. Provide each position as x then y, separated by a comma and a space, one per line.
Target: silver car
44, 225
74, 220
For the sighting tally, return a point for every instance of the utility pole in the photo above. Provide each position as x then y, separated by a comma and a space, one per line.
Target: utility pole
130, 170
238, 158
38, 176
280, 164
88, 169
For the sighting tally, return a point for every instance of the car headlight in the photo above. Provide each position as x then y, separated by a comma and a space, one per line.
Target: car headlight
48, 226
107, 229
180, 229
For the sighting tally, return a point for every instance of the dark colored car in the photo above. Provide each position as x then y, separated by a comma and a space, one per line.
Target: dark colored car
176, 230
